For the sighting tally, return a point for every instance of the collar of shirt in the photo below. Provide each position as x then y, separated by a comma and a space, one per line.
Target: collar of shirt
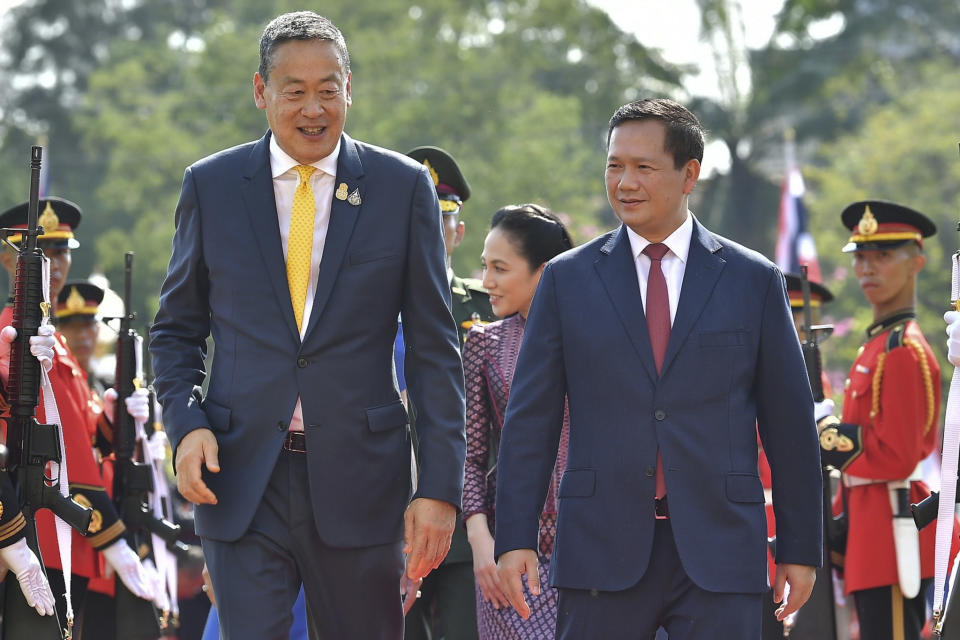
280, 162
678, 242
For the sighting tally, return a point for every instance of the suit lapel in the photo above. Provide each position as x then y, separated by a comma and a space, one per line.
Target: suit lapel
618, 272
343, 217
261, 206
699, 278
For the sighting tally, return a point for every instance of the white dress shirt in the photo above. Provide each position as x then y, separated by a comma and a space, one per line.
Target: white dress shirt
673, 264
286, 179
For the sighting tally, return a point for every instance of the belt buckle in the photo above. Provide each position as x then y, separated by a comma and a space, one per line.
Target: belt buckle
660, 508
295, 441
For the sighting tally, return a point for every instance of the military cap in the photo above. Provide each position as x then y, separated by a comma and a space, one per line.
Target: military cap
819, 294
57, 216
452, 187
78, 300
877, 224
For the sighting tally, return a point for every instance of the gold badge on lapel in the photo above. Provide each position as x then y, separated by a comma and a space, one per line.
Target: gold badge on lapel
342, 191
354, 198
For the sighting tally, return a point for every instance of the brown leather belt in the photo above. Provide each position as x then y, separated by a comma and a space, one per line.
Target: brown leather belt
295, 441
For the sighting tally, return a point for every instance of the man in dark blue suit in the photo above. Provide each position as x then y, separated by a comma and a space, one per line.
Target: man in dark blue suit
672, 345
296, 254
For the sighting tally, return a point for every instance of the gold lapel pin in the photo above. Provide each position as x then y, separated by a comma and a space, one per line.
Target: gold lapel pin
342, 191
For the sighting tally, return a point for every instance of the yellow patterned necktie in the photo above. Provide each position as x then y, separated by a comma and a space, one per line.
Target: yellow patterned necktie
300, 242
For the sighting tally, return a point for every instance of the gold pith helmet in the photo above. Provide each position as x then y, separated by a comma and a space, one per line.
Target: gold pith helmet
78, 300
57, 216
452, 188
878, 224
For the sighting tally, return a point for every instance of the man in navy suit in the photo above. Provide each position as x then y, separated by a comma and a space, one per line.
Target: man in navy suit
296, 254
672, 345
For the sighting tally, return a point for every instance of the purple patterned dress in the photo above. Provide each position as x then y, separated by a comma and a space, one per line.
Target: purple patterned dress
489, 358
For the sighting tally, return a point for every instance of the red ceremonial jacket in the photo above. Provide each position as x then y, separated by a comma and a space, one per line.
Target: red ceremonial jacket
78, 417
888, 426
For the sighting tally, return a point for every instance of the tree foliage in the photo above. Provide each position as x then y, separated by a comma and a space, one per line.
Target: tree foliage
518, 92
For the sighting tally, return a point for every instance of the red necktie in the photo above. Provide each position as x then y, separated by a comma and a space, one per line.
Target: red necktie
658, 324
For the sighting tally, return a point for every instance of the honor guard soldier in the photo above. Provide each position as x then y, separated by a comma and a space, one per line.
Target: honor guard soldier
470, 302
447, 607
887, 427
78, 319
80, 417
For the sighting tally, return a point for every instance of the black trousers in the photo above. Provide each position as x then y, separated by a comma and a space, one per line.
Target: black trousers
447, 608
884, 613
350, 593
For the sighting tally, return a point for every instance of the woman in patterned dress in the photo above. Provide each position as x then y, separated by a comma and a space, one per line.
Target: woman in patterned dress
521, 241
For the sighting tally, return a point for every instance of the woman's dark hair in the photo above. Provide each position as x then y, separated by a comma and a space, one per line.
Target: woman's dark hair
534, 230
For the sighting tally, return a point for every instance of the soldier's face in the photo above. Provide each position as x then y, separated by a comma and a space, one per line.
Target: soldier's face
453, 230
887, 276
81, 336
60, 261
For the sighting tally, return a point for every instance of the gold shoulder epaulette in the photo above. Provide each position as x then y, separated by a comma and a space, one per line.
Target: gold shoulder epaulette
927, 380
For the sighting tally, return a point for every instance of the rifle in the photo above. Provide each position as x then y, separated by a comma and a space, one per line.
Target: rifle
818, 618
32, 445
945, 627
133, 480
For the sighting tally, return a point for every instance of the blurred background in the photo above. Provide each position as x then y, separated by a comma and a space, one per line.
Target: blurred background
125, 94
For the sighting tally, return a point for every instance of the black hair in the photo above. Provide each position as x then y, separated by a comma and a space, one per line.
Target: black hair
534, 230
300, 25
685, 134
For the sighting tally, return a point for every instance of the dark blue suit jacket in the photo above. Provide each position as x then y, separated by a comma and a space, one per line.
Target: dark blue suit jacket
227, 280
733, 364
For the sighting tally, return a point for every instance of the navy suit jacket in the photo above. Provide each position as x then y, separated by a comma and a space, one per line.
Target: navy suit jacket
733, 364
227, 279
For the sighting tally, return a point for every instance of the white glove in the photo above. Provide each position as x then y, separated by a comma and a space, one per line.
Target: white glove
160, 597
138, 579
822, 409
952, 319
41, 346
158, 446
33, 583
138, 405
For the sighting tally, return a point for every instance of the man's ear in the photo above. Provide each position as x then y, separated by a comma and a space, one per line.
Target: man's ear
691, 173
919, 262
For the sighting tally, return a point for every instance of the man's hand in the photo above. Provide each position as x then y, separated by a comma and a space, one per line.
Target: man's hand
428, 529
800, 577
197, 448
511, 569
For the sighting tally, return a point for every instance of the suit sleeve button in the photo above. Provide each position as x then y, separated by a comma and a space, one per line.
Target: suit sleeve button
660, 414
301, 362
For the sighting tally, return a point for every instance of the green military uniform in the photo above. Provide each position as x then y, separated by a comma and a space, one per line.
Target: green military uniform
471, 304
447, 609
